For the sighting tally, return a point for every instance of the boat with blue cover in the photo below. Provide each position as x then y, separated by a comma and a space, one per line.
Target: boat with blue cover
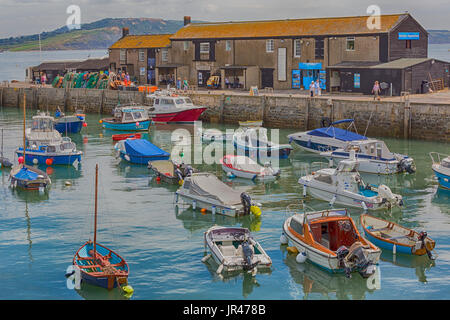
68, 124
140, 151
326, 138
98, 264
44, 145
441, 168
127, 118
392, 236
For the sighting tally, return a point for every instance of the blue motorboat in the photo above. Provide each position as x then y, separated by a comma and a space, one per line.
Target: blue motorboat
441, 168
28, 178
140, 151
128, 118
68, 124
326, 138
44, 145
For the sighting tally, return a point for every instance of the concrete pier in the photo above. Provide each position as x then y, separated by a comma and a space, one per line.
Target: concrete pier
399, 118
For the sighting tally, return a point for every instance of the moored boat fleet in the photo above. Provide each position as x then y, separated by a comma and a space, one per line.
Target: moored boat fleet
329, 239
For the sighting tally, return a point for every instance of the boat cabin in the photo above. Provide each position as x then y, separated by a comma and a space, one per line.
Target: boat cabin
42, 123
329, 229
130, 114
375, 149
172, 102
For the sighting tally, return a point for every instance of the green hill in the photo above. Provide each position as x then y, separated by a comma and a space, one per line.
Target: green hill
96, 35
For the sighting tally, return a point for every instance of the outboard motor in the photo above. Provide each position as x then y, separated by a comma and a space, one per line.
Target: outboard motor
246, 202
361, 262
406, 165
387, 195
178, 173
422, 236
248, 255
341, 253
188, 171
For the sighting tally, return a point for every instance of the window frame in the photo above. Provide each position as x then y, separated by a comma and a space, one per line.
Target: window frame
299, 42
185, 45
123, 55
141, 55
347, 40
204, 44
227, 45
164, 54
270, 46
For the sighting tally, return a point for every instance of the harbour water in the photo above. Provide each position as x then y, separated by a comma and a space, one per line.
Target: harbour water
163, 245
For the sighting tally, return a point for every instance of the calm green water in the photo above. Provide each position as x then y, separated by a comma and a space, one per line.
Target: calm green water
39, 234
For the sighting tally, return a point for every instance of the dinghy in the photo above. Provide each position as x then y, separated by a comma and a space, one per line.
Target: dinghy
140, 151
211, 135
205, 191
123, 136
392, 236
441, 168
254, 142
244, 167
378, 158
99, 265
330, 240
234, 249
169, 171
344, 185
251, 123
326, 138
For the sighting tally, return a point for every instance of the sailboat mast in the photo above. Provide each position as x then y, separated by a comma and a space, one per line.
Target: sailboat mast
95, 219
24, 111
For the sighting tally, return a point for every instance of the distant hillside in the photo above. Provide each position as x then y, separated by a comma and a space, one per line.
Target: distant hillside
103, 33
438, 36
96, 35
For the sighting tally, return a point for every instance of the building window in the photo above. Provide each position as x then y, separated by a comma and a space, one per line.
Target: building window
350, 43
228, 45
270, 46
123, 54
141, 55
204, 47
186, 45
408, 44
165, 54
297, 48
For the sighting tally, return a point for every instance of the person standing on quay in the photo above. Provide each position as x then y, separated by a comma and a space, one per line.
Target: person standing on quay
376, 91
317, 90
311, 88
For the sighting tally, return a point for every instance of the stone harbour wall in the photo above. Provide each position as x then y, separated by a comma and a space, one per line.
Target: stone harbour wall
397, 119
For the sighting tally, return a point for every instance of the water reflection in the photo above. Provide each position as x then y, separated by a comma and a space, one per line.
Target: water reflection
441, 198
27, 217
315, 280
91, 292
419, 263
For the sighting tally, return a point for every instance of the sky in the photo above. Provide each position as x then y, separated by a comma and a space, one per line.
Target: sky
24, 17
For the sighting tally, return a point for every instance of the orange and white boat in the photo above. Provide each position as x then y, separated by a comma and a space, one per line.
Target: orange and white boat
330, 240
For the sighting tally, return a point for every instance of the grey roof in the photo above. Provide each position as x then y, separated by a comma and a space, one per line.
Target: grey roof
354, 64
401, 63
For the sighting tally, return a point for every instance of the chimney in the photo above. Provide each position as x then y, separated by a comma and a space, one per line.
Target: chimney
187, 20
125, 32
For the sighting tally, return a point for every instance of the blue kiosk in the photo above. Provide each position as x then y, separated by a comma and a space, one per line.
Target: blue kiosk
306, 73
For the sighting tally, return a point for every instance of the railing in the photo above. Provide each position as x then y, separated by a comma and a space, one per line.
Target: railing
437, 155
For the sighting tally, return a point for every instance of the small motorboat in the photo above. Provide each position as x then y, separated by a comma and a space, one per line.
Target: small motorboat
140, 151
4, 162
205, 191
378, 158
325, 138
172, 108
169, 171
234, 249
45, 145
99, 265
251, 123
392, 236
441, 168
29, 178
127, 118
212, 135
344, 185
253, 142
123, 136
330, 240
245, 167
68, 124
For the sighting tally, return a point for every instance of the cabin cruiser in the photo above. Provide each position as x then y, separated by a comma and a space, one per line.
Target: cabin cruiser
344, 185
253, 142
441, 168
173, 108
127, 118
326, 138
378, 158
330, 239
45, 145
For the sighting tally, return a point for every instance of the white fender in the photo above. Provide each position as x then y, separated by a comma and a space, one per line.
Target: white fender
283, 239
301, 257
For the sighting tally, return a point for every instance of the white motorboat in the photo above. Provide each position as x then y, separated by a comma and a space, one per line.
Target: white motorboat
205, 191
441, 168
212, 135
330, 239
254, 142
344, 185
245, 167
378, 158
234, 249
326, 138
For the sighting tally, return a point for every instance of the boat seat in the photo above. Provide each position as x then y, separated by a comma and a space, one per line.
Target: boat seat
228, 251
379, 229
399, 237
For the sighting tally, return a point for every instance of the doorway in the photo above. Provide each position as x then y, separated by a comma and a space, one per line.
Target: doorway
266, 78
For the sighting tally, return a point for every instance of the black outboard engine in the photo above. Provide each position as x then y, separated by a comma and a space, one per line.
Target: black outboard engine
188, 171
178, 173
406, 166
246, 202
364, 266
341, 253
422, 236
248, 255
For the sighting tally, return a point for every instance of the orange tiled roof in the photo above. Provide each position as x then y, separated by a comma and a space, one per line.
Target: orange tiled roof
286, 28
143, 41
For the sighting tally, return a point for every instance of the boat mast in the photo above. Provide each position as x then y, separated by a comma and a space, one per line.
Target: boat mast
24, 111
95, 219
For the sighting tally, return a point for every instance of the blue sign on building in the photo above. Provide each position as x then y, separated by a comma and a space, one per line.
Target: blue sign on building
408, 35
357, 80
